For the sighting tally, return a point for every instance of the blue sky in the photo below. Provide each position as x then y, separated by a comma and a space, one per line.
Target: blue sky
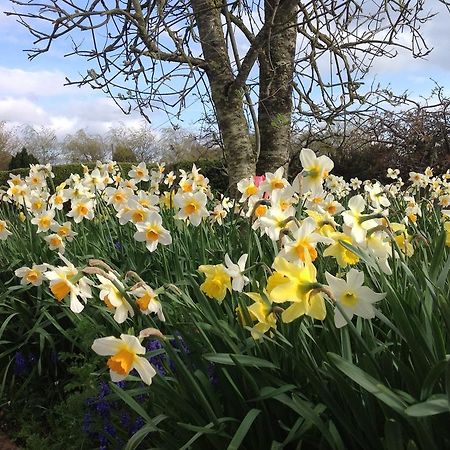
33, 92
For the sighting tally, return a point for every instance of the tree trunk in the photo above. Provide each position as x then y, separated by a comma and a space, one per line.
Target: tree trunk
276, 69
229, 106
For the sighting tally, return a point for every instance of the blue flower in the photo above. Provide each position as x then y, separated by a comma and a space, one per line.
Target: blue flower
20, 364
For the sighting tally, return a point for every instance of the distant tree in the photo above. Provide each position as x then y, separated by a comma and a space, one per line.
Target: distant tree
122, 153
141, 142
84, 147
177, 145
41, 142
8, 145
22, 159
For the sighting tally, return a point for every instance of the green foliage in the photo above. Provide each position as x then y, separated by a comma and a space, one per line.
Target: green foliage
122, 153
22, 159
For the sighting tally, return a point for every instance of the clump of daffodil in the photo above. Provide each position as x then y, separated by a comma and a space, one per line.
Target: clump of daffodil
217, 281
296, 283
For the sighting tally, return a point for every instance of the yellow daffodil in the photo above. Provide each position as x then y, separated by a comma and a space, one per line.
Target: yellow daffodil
261, 311
299, 288
344, 257
217, 281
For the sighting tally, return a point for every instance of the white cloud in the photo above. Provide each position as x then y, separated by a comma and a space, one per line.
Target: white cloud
33, 83
21, 110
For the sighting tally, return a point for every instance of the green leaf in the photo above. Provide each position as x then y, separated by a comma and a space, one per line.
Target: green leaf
436, 404
244, 360
142, 433
242, 431
132, 403
370, 384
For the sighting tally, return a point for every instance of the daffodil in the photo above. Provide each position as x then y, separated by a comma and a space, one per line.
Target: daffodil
236, 272
352, 297
124, 357
33, 275
68, 281
4, 232
44, 220
248, 189
191, 206
139, 173
343, 255
147, 301
133, 212
357, 222
217, 281
82, 208
261, 311
315, 170
152, 232
64, 230
112, 293
300, 288
302, 246
447, 233
55, 242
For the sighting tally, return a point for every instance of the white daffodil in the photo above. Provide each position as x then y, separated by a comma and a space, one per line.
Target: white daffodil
139, 173
124, 357
64, 230
191, 206
274, 181
118, 197
133, 212
354, 219
236, 272
33, 276
275, 220
65, 280
352, 296
4, 232
315, 169
302, 248
147, 301
82, 208
248, 189
44, 220
114, 298
55, 242
152, 232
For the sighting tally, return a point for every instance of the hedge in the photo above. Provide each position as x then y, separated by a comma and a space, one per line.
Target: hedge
213, 170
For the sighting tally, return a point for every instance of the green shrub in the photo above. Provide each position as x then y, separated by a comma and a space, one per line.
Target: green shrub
213, 170
22, 159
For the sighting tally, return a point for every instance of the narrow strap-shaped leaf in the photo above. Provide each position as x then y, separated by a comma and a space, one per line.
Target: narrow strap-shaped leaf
242, 431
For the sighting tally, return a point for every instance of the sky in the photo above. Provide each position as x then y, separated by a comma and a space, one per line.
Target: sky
33, 92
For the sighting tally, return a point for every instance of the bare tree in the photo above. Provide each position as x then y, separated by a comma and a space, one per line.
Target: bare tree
8, 145
141, 141
41, 142
258, 64
84, 147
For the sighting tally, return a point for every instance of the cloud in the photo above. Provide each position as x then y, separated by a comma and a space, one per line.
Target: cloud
14, 109
33, 83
